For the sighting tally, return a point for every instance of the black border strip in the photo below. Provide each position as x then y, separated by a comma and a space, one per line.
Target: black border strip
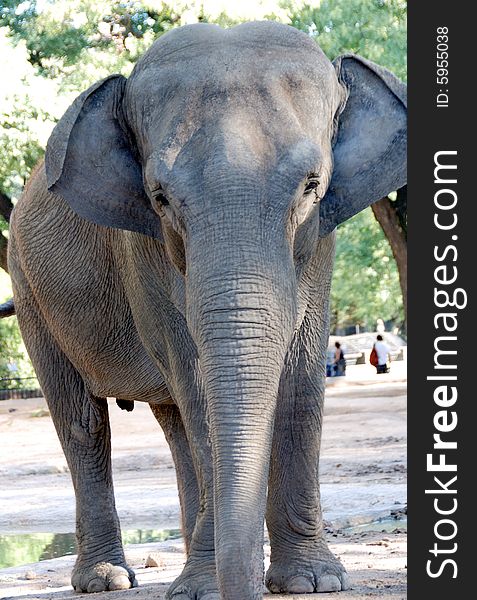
445, 127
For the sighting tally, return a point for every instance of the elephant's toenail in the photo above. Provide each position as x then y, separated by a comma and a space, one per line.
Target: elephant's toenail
328, 583
120, 582
345, 582
300, 585
96, 585
273, 587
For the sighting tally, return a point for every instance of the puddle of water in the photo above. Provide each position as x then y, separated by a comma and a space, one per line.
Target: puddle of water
387, 525
29, 548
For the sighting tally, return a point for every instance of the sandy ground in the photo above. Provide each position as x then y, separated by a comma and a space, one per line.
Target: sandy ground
363, 476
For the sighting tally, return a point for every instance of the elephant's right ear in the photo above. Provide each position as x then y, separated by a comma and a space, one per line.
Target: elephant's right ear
90, 164
371, 142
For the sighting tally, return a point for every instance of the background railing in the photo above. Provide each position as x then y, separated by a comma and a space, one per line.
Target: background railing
12, 388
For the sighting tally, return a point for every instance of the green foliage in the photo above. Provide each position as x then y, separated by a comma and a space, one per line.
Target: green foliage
26, 115
15, 17
45, 38
64, 32
365, 283
14, 362
133, 19
375, 29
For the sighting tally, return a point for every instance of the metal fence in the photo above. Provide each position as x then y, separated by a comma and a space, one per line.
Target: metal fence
16, 388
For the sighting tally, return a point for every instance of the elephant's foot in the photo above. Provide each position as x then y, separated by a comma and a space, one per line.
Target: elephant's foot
321, 572
102, 577
198, 581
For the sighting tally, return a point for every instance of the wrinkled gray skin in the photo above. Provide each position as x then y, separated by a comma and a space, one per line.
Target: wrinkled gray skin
176, 248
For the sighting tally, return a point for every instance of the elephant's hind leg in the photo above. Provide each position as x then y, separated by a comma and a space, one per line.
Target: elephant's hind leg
198, 580
169, 418
82, 424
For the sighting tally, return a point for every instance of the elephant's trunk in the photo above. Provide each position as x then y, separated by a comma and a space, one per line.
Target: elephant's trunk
242, 318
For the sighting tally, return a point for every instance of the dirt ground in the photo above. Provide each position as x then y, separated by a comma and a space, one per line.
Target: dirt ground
363, 476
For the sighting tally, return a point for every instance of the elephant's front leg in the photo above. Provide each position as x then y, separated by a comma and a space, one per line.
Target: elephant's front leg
82, 424
101, 564
300, 559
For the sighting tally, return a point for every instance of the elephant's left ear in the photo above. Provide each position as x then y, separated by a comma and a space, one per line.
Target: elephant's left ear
371, 142
89, 162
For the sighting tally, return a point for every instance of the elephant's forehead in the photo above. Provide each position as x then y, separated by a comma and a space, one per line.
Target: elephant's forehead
250, 43
225, 73
276, 95
264, 92
244, 63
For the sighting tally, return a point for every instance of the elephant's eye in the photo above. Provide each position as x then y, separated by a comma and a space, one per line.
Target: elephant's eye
312, 184
160, 197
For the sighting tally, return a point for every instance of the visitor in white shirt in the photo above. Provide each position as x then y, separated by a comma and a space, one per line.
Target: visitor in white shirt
382, 350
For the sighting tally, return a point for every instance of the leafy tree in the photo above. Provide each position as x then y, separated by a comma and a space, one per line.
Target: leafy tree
14, 364
27, 115
365, 286
376, 29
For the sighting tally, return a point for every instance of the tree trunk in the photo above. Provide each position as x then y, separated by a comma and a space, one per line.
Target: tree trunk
392, 216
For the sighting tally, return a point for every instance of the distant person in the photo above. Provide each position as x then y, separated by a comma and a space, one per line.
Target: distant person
339, 363
382, 350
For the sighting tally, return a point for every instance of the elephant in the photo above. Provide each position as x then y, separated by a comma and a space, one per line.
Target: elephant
176, 247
